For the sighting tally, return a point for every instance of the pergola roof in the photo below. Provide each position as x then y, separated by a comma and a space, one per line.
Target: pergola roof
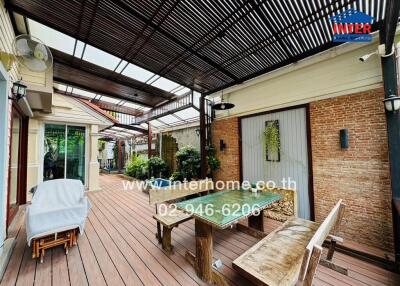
80, 73
204, 45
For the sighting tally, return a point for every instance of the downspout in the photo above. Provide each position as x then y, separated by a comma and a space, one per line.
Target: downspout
389, 73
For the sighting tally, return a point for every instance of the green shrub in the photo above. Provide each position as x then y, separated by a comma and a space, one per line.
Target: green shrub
176, 176
157, 167
137, 168
188, 163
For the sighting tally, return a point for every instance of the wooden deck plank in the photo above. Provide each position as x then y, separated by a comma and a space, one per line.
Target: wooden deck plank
127, 273
13, 268
184, 239
145, 274
44, 272
110, 272
148, 252
92, 268
120, 236
27, 276
77, 274
59, 266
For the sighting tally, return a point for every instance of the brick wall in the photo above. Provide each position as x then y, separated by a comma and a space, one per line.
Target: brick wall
360, 174
227, 130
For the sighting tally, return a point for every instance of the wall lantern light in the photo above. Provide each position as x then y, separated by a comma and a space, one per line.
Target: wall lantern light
197, 132
19, 90
392, 103
222, 145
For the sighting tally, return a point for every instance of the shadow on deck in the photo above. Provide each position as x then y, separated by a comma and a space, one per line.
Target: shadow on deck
119, 248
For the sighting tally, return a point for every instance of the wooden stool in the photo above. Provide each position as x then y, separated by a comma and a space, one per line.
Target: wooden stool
67, 238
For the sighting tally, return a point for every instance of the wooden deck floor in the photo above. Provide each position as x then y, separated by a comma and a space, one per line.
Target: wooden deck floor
119, 248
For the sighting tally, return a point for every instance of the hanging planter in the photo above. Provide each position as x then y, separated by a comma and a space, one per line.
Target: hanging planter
272, 141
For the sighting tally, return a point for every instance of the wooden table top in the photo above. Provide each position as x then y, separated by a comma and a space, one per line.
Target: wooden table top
222, 209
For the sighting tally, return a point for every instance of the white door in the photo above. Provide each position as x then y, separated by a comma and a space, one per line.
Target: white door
293, 157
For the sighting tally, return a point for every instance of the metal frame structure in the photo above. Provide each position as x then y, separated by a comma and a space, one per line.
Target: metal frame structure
203, 45
206, 46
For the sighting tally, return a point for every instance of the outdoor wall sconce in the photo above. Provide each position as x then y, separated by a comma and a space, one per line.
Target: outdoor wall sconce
197, 132
344, 138
19, 90
222, 145
392, 103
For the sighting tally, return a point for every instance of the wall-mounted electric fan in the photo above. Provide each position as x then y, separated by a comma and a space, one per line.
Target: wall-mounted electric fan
29, 52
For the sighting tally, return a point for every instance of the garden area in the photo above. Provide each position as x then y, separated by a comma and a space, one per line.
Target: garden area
188, 166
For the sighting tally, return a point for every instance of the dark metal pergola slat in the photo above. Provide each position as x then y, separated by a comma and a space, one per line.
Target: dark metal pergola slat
204, 45
82, 74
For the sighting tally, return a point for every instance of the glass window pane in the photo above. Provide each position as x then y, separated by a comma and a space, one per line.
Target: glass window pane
100, 58
182, 91
54, 152
165, 84
110, 99
76, 153
137, 73
84, 93
79, 49
186, 114
169, 119
51, 37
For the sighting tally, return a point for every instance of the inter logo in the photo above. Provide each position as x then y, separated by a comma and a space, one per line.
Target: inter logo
352, 26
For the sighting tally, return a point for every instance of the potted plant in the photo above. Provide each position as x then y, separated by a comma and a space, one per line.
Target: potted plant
272, 140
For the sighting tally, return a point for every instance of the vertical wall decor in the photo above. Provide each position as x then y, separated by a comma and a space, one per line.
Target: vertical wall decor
272, 141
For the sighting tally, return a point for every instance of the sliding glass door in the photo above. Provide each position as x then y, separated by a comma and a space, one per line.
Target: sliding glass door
64, 152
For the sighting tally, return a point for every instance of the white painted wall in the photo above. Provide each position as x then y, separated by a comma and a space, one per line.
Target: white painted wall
6, 78
329, 74
4, 129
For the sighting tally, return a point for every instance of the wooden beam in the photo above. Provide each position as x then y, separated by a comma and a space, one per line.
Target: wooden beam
149, 138
203, 138
130, 127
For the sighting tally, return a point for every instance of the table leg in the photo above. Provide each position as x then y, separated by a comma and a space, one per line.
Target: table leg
257, 222
202, 262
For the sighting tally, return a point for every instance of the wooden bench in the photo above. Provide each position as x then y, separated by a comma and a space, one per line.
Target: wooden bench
291, 253
172, 217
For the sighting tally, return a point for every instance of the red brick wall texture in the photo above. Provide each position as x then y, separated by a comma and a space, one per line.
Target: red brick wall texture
227, 130
359, 175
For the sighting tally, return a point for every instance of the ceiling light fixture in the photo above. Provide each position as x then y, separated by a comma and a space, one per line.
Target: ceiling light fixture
223, 105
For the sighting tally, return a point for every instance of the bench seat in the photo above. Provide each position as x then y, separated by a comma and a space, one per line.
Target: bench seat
277, 258
173, 218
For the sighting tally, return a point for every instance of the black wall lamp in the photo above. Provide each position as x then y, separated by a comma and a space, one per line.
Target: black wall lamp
19, 95
19, 89
344, 138
392, 103
222, 145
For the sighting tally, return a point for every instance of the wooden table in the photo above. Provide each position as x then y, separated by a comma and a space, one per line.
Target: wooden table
221, 210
